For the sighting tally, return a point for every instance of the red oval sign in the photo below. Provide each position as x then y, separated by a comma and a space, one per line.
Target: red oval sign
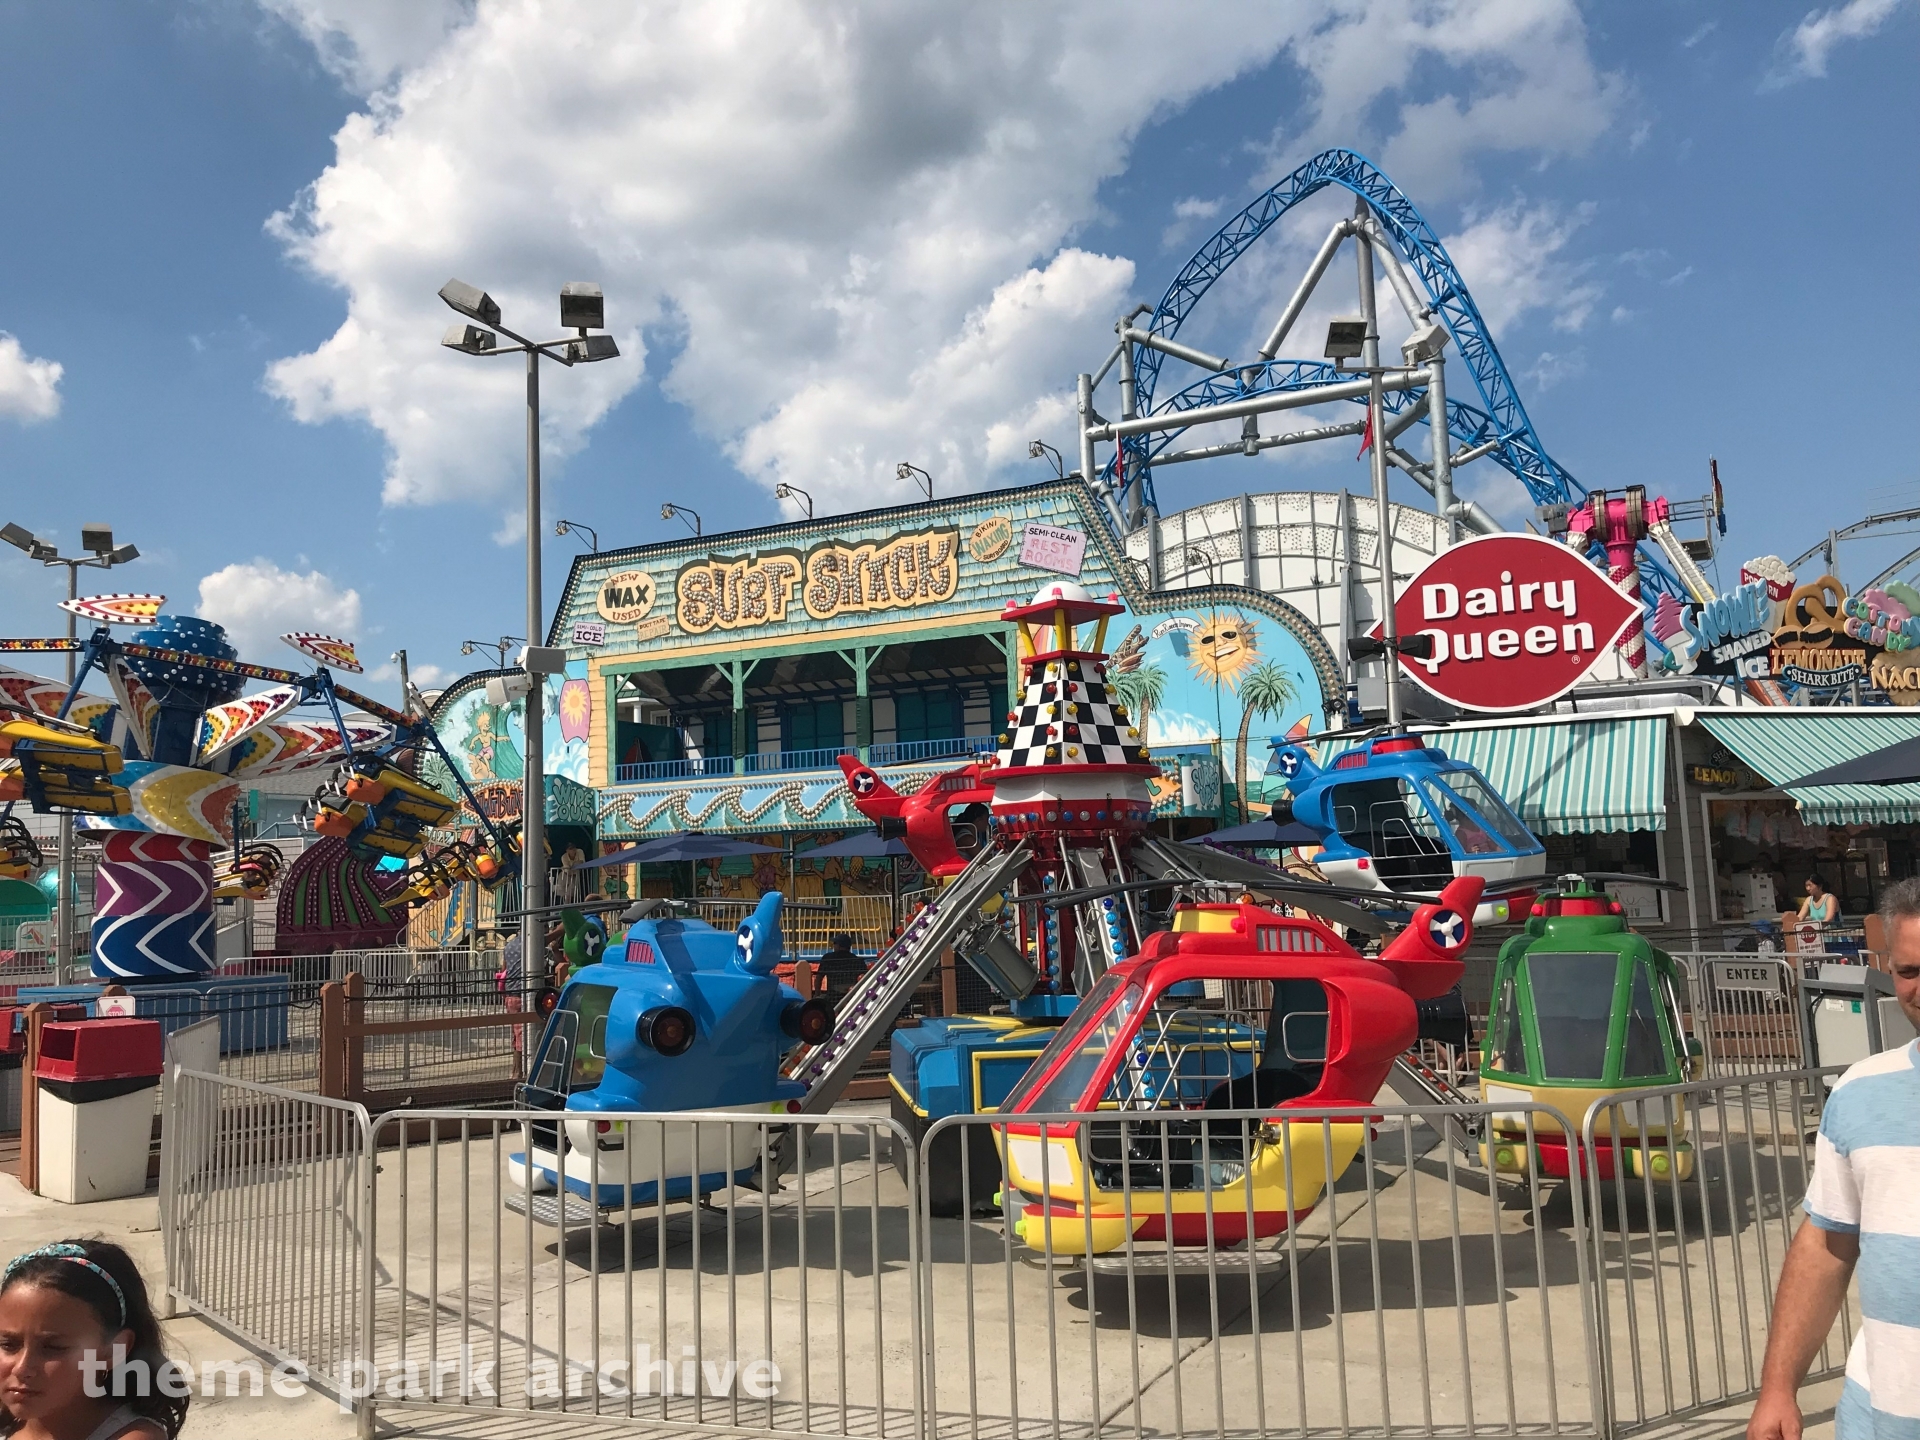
1516, 620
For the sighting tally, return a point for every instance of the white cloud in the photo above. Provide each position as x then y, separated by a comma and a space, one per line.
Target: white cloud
1551, 367
1803, 51
258, 602
29, 387
365, 43
1511, 259
857, 222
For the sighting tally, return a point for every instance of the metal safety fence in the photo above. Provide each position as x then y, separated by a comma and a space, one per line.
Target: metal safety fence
1746, 1011
1134, 1273
1695, 1192
264, 1197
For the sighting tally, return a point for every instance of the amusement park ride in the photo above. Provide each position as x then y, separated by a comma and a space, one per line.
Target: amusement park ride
156, 771
1149, 980
1242, 990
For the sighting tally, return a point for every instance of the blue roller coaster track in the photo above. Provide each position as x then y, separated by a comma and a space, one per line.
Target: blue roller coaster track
1500, 417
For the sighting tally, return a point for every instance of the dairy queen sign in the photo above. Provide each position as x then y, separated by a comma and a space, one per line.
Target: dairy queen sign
1515, 621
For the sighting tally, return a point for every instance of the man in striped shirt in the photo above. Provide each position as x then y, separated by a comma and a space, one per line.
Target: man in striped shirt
1863, 1210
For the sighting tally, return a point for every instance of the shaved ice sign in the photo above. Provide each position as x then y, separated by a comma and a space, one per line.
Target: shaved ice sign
1515, 622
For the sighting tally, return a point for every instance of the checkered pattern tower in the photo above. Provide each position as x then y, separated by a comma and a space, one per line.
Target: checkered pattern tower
1071, 765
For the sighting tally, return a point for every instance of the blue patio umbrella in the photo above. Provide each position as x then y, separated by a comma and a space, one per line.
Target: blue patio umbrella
1262, 832
866, 846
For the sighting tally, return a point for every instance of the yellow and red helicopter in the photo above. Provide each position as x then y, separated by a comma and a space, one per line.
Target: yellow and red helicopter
1234, 1007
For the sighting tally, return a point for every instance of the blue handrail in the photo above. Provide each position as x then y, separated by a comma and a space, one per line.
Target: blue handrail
822, 759
672, 769
904, 750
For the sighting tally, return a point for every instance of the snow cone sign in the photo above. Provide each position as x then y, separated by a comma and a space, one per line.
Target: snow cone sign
1516, 620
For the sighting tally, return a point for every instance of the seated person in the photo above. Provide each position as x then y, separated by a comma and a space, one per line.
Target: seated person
838, 970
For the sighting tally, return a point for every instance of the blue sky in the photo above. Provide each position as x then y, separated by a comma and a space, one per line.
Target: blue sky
830, 247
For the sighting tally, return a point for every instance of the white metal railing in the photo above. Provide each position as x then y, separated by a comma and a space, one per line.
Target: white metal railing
1585, 1278
265, 1195
1746, 1010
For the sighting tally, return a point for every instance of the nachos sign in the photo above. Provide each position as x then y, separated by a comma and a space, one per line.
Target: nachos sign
1516, 620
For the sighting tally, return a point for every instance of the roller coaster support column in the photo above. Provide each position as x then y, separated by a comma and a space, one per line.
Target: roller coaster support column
533, 793
1383, 514
1442, 460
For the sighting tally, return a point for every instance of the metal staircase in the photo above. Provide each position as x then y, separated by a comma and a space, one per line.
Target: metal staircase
1417, 1083
883, 992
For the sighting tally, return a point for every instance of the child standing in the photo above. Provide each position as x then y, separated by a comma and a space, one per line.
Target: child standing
63, 1310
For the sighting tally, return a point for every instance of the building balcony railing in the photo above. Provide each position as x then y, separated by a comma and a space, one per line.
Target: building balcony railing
905, 750
673, 769
823, 759
893, 753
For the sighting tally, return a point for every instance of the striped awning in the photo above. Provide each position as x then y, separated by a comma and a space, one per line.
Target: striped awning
1783, 745
1577, 777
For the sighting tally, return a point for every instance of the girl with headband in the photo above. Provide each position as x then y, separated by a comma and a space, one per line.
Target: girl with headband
63, 1309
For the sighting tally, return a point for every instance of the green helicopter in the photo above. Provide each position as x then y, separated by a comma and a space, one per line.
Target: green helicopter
1585, 1010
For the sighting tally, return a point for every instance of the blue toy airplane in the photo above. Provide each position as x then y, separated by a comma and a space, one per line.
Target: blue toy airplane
677, 1016
1395, 813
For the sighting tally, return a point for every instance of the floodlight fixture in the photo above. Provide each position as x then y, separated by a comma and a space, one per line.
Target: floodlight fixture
97, 538
1040, 449
669, 510
121, 554
582, 306
20, 537
471, 301
568, 527
1346, 338
1425, 344
906, 471
784, 491
469, 338
592, 348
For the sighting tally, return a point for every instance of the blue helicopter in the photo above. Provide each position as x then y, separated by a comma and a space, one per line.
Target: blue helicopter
679, 1015
1395, 813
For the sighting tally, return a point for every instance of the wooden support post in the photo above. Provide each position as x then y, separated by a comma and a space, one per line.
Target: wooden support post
949, 985
355, 1066
333, 1040
37, 1016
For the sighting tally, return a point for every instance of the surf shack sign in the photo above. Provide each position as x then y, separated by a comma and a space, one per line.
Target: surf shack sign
1514, 620
828, 581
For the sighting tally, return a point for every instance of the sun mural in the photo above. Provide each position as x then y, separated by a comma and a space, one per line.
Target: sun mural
1223, 647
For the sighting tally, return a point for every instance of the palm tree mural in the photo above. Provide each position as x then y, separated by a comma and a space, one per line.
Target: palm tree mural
1140, 690
1265, 690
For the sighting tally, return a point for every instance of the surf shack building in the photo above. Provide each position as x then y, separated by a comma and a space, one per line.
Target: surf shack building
720, 677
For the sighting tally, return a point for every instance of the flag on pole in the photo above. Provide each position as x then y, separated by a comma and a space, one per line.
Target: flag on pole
1366, 436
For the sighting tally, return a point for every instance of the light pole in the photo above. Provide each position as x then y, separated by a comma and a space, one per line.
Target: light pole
582, 309
567, 527
687, 517
906, 472
784, 491
103, 555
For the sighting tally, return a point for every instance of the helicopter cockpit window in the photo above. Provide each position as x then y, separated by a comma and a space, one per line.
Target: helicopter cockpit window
1644, 1056
1389, 818
1088, 1048
1509, 1048
1485, 807
590, 1003
1572, 1012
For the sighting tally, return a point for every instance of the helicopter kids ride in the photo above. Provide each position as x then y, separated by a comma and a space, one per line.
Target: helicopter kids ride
1396, 813
1236, 1007
677, 1016
1585, 1010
